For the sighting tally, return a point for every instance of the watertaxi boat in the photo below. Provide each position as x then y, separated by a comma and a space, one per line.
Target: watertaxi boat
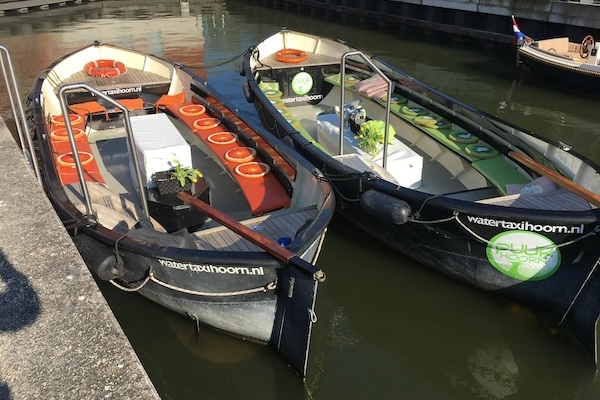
474, 197
231, 242
571, 65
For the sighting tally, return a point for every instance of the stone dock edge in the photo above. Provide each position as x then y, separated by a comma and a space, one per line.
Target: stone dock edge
58, 337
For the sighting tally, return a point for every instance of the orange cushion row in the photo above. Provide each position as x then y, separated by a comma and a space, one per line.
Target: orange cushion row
265, 193
61, 148
287, 168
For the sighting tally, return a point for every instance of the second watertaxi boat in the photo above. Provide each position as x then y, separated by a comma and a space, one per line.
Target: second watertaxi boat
461, 191
169, 193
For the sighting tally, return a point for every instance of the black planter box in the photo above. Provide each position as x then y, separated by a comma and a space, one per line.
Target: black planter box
167, 184
172, 213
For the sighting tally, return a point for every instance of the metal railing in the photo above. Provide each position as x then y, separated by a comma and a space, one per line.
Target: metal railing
64, 106
342, 100
16, 105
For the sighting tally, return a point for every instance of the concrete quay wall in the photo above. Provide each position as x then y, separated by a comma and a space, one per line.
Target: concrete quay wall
480, 19
58, 336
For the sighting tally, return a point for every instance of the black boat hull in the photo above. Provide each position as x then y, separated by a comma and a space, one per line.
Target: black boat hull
485, 246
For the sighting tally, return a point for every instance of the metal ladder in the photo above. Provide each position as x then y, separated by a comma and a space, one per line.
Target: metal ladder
16, 105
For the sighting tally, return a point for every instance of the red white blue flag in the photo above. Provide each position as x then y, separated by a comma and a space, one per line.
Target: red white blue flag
519, 36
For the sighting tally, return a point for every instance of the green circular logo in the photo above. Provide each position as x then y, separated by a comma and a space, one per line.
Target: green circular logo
302, 83
526, 256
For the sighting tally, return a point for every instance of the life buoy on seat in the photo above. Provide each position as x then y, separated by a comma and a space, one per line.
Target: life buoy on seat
291, 56
59, 120
104, 68
463, 137
206, 123
192, 110
222, 138
253, 169
61, 134
68, 160
426, 120
240, 154
480, 151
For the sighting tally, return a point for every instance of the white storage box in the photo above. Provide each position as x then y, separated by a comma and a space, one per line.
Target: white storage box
403, 163
157, 144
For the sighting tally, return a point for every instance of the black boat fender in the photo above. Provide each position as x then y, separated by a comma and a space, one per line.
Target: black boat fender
384, 206
100, 259
248, 93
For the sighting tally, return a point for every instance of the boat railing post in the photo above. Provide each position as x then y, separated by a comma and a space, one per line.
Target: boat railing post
130, 142
387, 106
19, 115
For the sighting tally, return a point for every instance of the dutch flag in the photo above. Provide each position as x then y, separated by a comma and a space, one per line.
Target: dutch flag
519, 36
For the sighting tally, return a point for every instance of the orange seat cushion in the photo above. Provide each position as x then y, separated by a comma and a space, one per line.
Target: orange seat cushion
89, 107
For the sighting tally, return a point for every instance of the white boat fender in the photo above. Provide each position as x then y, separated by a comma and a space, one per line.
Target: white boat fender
384, 206
101, 260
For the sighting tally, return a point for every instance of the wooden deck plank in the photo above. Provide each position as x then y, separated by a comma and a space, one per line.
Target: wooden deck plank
312, 60
557, 200
130, 78
273, 227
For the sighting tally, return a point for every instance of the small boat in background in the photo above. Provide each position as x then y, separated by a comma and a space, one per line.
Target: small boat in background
573, 66
474, 197
169, 193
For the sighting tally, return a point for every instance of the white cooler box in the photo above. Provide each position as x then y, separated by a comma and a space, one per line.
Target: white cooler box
157, 144
404, 165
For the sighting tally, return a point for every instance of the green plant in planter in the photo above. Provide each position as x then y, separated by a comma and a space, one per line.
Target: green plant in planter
371, 134
182, 173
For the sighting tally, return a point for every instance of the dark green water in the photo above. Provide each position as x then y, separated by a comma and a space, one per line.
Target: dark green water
388, 328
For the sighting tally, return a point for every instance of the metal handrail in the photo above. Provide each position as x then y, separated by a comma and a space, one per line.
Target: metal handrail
62, 95
342, 100
19, 115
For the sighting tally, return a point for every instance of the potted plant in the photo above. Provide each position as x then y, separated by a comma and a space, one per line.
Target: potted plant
177, 179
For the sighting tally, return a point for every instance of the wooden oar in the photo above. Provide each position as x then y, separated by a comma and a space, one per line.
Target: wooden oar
270, 246
560, 180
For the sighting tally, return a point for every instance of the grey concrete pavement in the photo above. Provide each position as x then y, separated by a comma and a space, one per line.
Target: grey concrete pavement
58, 336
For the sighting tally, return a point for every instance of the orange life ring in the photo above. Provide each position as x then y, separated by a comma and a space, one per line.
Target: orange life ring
253, 169
59, 120
104, 68
67, 159
240, 154
206, 123
222, 138
192, 110
61, 135
291, 56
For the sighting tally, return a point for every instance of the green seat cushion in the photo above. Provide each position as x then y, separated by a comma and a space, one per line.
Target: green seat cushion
500, 172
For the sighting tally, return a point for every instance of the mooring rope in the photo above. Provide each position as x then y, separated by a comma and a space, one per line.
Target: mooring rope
151, 277
126, 289
579, 292
269, 286
469, 230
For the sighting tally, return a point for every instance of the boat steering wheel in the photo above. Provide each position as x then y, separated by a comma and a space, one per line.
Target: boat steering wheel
584, 49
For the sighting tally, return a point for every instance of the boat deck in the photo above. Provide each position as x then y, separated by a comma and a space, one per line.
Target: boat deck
131, 78
273, 226
313, 59
556, 200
